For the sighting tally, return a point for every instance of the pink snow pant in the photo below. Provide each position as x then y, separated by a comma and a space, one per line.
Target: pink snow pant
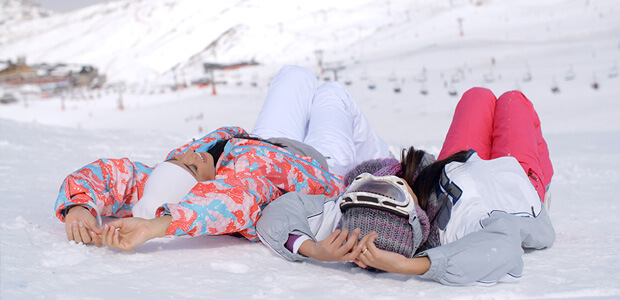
508, 126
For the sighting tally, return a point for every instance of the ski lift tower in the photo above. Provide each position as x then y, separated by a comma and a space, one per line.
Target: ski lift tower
335, 69
120, 88
319, 59
209, 68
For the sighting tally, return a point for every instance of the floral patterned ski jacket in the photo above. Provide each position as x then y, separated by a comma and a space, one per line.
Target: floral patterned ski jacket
249, 175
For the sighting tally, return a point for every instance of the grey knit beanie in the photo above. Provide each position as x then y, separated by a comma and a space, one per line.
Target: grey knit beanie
394, 233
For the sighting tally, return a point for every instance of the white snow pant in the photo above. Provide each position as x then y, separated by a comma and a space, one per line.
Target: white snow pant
326, 118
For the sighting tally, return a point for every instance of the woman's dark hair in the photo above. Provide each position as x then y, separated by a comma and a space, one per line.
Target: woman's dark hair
427, 179
216, 150
410, 164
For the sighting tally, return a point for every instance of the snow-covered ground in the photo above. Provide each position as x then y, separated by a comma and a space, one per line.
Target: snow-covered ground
40, 143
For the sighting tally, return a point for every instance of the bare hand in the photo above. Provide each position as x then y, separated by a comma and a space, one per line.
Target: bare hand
82, 227
333, 248
129, 233
388, 261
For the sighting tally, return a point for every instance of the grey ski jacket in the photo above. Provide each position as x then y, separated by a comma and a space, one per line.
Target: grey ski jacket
491, 254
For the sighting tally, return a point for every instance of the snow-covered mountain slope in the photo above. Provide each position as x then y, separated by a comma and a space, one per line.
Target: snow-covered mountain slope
143, 40
13, 12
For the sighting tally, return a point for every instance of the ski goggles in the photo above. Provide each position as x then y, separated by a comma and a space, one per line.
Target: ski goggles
387, 193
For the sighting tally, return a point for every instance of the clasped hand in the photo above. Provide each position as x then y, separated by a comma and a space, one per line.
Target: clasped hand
337, 246
342, 246
372, 256
125, 233
82, 227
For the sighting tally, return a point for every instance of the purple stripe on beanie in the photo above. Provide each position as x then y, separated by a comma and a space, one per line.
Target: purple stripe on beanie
392, 169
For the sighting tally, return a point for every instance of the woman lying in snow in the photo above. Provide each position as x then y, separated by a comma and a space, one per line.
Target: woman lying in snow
463, 219
220, 183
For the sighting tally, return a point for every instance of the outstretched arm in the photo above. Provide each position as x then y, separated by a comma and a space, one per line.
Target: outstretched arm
106, 187
485, 256
491, 254
221, 206
211, 208
289, 215
129, 233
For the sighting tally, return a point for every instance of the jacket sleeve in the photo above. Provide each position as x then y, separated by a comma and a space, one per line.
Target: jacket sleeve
206, 142
492, 253
221, 206
288, 215
107, 187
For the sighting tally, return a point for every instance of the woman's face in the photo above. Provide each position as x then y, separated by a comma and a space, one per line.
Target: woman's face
200, 165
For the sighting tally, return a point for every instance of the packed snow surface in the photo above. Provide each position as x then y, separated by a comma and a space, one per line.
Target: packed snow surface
532, 46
